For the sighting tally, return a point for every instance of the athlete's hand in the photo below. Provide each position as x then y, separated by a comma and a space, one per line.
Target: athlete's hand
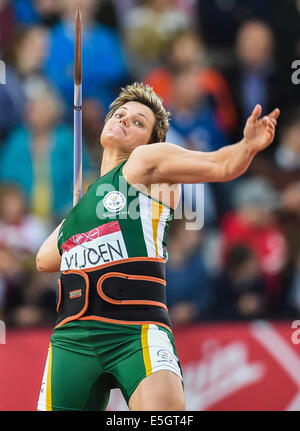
259, 133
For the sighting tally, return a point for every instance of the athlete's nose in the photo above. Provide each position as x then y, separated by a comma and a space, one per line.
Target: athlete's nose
124, 120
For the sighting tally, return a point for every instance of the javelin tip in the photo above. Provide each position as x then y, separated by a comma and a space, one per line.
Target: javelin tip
77, 10
78, 67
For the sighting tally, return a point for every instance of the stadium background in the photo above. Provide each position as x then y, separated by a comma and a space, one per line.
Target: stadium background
233, 286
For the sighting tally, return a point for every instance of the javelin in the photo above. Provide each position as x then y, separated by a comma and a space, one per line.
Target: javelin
77, 166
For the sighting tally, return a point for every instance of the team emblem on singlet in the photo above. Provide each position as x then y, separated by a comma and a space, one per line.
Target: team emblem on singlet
94, 248
114, 201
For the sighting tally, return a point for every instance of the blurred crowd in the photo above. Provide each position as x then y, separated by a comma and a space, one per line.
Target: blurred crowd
211, 61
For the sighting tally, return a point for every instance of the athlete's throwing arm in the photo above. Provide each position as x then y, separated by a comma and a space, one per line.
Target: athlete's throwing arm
169, 163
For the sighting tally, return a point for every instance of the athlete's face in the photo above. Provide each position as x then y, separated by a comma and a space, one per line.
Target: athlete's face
130, 126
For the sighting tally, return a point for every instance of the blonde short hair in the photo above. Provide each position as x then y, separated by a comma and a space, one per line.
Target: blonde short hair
143, 93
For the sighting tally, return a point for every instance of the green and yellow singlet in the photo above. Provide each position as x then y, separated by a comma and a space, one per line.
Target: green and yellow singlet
112, 222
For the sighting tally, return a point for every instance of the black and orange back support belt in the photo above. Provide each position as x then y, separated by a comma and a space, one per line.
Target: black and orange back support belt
131, 291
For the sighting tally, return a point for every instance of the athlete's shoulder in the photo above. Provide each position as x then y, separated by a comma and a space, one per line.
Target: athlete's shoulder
145, 160
150, 152
157, 146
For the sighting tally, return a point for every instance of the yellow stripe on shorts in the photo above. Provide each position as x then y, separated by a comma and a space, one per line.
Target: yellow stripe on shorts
48, 385
145, 346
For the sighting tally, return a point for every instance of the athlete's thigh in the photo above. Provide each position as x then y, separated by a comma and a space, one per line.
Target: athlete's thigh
144, 351
162, 390
72, 381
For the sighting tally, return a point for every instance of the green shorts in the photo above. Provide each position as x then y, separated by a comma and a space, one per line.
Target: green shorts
87, 359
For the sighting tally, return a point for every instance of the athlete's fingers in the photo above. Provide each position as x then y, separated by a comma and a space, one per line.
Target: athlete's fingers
274, 114
270, 130
255, 114
269, 123
271, 119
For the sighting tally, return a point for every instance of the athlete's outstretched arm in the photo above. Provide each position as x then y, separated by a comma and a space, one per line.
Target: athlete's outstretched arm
169, 163
48, 258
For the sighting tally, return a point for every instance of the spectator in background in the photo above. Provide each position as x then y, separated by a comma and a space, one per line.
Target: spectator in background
20, 231
186, 50
23, 57
292, 298
289, 218
27, 50
287, 41
253, 78
147, 30
12, 255
103, 63
253, 223
192, 116
188, 280
33, 303
239, 289
21, 234
38, 155
287, 155
219, 20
